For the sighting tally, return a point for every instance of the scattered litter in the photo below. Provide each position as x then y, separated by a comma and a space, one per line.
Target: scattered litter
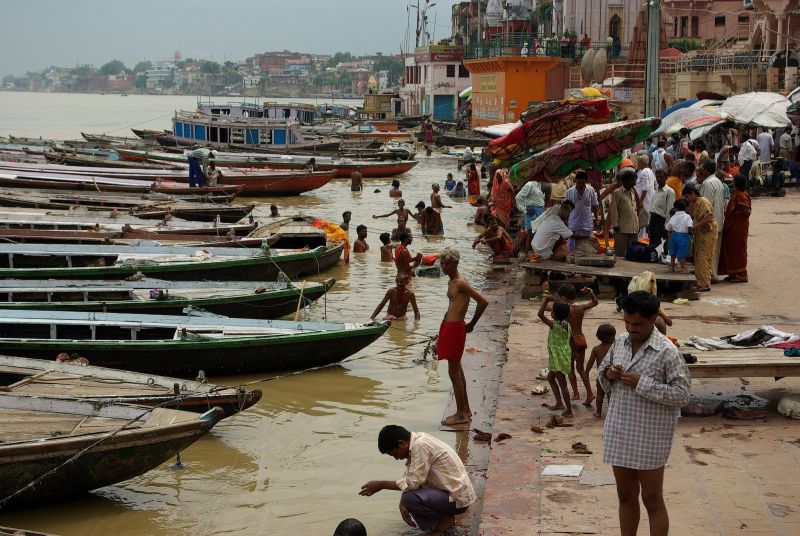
680, 301
471, 349
540, 389
580, 448
597, 477
556, 421
562, 470
537, 430
692, 452
502, 437
482, 436
790, 406
698, 406
779, 510
543, 374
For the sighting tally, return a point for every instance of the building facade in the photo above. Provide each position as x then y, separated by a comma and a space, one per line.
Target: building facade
433, 78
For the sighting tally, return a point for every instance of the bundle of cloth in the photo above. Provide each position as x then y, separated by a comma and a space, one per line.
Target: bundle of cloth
764, 336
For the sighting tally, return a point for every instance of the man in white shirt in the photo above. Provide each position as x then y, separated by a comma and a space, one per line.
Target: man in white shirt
435, 486
747, 155
663, 199
786, 151
645, 182
712, 189
765, 146
530, 202
661, 159
549, 234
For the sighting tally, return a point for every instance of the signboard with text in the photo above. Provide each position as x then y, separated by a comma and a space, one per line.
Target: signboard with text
439, 53
487, 83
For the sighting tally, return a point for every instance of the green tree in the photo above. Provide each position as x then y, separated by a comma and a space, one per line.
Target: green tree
210, 67
339, 57
141, 81
112, 67
142, 66
393, 65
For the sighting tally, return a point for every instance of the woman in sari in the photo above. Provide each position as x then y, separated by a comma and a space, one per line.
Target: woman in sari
503, 197
704, 228
733, 255
473, 181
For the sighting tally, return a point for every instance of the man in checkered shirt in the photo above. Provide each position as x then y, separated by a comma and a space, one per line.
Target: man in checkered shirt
649, 382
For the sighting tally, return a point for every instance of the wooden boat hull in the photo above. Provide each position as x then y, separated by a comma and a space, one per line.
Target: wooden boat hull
98, 184
265, 305
184, 358
128, 454
259, 268
291, 184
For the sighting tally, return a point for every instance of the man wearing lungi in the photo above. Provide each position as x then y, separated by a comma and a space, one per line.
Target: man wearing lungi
650, 382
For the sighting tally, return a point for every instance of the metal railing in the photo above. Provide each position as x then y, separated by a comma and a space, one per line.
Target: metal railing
533, 45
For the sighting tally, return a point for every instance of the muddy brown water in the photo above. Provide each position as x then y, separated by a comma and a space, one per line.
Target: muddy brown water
294, 463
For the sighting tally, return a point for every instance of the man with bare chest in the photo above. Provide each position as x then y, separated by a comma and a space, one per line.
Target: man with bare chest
402, 257
436, 199
577, 342
453, 332
399, 298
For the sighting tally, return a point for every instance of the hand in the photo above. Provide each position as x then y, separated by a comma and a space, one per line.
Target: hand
407, 516
370, 488
631, 379
614, 372
374, 216
588, 291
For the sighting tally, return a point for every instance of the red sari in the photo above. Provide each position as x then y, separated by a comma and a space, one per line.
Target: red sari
473, 183
733, 255
503, 197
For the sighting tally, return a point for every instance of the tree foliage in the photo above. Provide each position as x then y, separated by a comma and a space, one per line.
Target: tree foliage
112, 67
210, 67
142, 66
393, 65
339, 57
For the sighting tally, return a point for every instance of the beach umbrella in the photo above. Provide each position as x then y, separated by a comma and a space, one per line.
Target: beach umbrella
690, 118
596, 146
539, 108
541, 132
757, 109
466, 93
678, 106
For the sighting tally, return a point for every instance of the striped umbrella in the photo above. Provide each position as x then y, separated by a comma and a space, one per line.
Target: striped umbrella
540, 132
689, 118
596, 146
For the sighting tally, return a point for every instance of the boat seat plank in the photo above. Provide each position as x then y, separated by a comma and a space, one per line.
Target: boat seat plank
623, 269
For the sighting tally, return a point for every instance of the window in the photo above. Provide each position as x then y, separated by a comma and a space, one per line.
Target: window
451, 71
695, 26
719, 22
684, 26
675, 27
744, 19
463, 72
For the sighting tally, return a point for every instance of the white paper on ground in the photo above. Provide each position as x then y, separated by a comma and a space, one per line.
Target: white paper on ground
562, 470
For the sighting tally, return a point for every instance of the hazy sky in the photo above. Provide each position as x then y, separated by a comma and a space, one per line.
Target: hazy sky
40, 33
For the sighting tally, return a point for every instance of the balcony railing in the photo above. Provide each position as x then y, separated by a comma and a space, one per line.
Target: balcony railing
533, 45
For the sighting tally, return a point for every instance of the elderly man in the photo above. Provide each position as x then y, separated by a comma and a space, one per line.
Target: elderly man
649, 383
645, 183
623, 213
550, 232
435, 486
581, 220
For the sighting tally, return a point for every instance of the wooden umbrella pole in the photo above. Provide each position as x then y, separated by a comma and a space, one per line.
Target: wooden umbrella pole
300, 300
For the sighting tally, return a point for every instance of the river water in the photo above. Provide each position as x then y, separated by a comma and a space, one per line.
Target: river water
294, 463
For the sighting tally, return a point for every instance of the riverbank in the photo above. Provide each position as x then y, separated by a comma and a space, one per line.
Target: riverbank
723, 477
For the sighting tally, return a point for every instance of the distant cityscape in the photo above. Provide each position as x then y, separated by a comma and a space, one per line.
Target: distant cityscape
289, 74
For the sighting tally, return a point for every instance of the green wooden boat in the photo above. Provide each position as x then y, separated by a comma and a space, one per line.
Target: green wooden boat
59, 261
154, 296
183, 345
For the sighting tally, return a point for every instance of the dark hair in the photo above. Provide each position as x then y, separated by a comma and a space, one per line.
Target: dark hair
684, 131
273, 206
689, 166
690, 189
361, 227
395, 183
429, 210
606, 333
402, 235
709, 166
449, 175
390, 435
567, 290
421, 204
560, 310
627, 175
385, 237
740, 182
473, 166
568, 203
582, 174
661, 173
661, 143
641, 302
350, 527
346, 212
480, 200
681, 204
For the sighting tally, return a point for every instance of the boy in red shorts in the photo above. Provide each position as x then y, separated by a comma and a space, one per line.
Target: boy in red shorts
453, 332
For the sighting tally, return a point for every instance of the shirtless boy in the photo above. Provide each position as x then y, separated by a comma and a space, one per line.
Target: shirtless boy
398, 297
360, 245
387, 249
436, 199
496, 237
432, 225
578, 342
402, 257
346, 217
453, 332
402, 217
606, 335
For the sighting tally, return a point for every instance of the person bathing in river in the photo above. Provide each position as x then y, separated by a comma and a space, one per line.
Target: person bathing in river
402, 217
398, 297
273, 211
387, 249
496, 238
360, 245
453, 332
458, 192
395, 190
403, 260
346, 217
450, 183
433, 222
436, 199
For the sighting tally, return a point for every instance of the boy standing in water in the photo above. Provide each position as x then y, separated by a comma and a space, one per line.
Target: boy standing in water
387, 249
360, 245
398, 297
453, 332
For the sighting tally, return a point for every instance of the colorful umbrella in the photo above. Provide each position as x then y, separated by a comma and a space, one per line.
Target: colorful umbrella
690, 118
541, 132
596, 146
466, 93
677, 106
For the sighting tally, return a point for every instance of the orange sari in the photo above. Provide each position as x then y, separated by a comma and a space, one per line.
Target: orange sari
503, 197
733, 255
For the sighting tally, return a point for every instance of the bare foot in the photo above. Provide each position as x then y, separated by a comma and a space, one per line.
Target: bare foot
576, 396
588, 401
552, 407
455, 418
597, 414
567, 414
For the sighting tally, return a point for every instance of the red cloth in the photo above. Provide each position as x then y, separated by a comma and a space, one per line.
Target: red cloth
501, 246
452, 338
474, 183
429, 260
733, 253
786, 345
503, 197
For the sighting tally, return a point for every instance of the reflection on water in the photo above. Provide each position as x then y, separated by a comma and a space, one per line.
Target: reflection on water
295, 462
